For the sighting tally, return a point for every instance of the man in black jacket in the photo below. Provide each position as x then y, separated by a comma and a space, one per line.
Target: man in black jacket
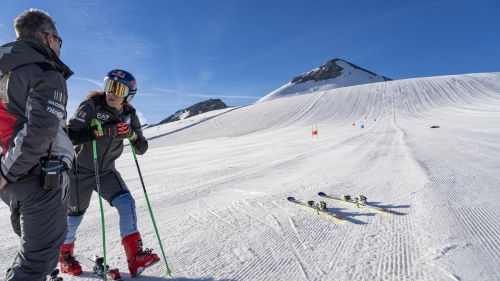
35, 148
110, 108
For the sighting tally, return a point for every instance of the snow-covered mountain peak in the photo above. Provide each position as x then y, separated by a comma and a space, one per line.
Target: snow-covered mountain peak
335, 73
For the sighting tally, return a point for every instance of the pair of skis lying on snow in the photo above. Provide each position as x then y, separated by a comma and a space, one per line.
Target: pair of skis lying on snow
321, 206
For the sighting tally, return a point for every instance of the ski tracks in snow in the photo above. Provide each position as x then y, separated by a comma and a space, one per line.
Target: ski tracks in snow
449, 203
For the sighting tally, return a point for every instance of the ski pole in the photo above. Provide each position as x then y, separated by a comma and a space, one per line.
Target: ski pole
169, 272
95, 122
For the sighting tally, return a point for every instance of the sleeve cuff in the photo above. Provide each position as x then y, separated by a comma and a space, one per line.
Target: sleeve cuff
133, 137
6, 177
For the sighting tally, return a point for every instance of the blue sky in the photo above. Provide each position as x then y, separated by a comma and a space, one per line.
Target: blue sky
183, 52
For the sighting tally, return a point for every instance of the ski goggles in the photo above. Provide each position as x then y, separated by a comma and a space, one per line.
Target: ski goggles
118, 89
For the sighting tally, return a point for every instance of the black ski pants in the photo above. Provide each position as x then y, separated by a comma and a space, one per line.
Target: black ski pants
38, 217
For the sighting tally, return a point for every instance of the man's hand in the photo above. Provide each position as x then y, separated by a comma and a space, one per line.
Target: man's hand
3, 182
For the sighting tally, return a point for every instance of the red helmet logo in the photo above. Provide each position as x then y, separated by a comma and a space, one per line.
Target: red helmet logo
119, 73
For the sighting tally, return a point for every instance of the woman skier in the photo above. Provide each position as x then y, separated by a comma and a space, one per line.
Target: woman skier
112, 109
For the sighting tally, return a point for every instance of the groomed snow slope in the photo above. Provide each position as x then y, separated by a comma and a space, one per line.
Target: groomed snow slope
219, 188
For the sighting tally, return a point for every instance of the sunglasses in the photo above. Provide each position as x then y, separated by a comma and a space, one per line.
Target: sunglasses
117, 88
57, 37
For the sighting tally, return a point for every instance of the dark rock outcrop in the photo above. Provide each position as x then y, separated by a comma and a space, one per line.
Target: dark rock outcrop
327, 71
198, 108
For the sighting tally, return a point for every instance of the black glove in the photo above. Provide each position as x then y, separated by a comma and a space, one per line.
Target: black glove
120, 130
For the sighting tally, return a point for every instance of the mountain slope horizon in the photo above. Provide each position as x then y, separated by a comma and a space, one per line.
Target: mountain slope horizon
346, 104
335, 73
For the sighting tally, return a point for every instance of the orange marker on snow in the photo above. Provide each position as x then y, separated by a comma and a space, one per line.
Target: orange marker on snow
314, 132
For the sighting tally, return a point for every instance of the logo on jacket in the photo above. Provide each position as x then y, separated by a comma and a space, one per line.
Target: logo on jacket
82, 114
102, 116
58, 96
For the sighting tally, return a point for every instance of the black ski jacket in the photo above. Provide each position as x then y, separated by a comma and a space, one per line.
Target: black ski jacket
108, 148
33, 97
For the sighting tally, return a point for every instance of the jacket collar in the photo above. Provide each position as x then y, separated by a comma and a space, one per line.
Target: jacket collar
26, 50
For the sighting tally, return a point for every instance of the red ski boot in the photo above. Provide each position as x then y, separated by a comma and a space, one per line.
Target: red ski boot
137, 258
67, 261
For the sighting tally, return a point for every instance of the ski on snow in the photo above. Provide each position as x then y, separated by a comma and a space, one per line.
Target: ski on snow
319, 207
357, 203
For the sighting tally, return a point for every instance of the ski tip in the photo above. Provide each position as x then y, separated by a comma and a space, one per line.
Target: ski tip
291, 199
322, 194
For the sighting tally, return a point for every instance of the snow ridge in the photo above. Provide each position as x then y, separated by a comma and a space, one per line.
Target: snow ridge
335, 73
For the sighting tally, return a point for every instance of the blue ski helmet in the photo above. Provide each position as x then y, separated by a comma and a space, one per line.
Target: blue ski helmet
121, 83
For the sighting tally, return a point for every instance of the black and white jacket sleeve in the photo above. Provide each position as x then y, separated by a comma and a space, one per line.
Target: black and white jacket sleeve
79, 128
140, 144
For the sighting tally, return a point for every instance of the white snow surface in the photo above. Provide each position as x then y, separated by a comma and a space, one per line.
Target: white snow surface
218, 186
350, 77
